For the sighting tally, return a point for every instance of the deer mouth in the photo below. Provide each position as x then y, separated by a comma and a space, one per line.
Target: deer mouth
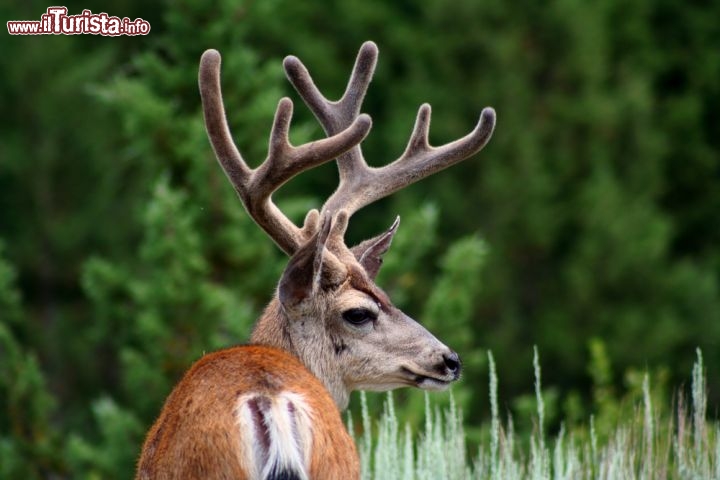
427, 382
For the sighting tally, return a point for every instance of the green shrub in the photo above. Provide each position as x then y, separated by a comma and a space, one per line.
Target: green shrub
681, 444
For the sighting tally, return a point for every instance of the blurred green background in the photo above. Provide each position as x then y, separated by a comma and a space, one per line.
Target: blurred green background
589, 226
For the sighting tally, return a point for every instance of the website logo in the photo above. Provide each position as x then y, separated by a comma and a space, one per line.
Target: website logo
56, 21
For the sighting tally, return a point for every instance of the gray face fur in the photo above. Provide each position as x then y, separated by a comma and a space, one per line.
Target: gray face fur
345, 329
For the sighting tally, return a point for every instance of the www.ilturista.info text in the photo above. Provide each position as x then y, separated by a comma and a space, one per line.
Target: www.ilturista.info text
56, 21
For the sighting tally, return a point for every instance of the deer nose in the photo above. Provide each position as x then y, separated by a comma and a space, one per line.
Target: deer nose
452, 363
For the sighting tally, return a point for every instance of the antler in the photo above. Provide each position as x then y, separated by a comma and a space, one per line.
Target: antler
361, 184
284, 161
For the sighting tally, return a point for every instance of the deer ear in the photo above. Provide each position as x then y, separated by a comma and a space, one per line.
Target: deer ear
369, 253
311, 269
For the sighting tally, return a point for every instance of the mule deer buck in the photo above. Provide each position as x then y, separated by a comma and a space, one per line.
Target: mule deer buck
271, 409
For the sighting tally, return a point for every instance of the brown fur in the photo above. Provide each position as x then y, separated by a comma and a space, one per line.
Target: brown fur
196, 435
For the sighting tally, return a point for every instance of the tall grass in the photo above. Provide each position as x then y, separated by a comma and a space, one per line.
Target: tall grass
643, 446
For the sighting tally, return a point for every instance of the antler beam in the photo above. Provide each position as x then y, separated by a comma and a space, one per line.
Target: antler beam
256, 186
361, 184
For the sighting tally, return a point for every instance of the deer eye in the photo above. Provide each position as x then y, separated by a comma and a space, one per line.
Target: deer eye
359, 316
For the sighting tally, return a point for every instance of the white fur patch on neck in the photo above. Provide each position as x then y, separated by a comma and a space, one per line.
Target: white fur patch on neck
275, 435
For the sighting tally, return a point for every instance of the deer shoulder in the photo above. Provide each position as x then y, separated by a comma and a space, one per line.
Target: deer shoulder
249, 412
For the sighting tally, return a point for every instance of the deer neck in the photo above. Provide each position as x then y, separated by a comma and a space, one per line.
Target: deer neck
273, 329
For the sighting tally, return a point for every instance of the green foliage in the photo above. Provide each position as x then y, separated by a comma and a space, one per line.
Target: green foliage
596, 205
114, 452
162, 297
645, 444
29, 445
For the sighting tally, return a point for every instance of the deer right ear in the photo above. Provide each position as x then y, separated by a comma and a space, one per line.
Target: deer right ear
311, 269
369, 253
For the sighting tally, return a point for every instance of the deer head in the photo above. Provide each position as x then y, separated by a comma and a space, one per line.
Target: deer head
327, 310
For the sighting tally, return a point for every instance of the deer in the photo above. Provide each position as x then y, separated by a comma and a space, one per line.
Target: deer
271, 409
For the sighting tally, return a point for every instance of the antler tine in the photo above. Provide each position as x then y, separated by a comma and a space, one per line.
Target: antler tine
215, 123
256, 186
360, 184
334, 116
419, 160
